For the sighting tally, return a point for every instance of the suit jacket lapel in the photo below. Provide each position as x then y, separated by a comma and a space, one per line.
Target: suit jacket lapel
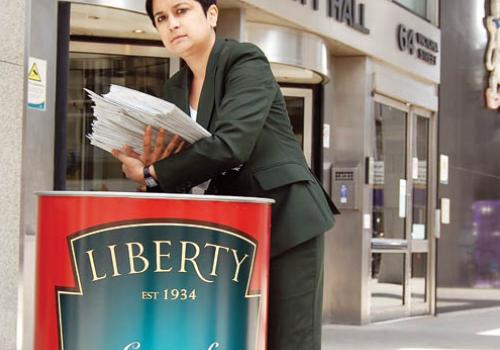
207, 100
179, 93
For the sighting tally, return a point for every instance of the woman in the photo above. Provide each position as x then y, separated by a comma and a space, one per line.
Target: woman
230, 90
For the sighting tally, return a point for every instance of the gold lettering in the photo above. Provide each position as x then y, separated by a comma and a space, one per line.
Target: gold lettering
113, 260
216, 257
132, 257
192, 259
238, 264
159, 255
90, 253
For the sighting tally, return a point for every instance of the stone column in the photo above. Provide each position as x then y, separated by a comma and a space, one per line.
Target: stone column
231, 24
12, 97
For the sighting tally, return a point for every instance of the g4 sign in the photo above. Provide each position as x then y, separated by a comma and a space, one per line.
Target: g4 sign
406, 39
411, 41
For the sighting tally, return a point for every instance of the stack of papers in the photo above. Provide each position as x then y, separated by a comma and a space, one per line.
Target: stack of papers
122, 115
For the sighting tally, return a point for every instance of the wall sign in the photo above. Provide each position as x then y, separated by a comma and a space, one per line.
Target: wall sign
416, 43
345, 11
443, 169
493, 55
445, 211
402, 198
326, 135
37, 84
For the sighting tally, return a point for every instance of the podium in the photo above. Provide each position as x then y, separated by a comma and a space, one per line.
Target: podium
130, 271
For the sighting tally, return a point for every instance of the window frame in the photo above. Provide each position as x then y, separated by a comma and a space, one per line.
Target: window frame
432, 11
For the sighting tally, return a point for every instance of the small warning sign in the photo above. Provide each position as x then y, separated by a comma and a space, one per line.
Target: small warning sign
34, 73
37, 84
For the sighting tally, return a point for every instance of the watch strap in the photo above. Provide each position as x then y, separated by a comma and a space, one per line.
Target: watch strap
148, 178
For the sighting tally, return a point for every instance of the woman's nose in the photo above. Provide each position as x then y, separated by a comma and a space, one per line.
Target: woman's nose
173, 23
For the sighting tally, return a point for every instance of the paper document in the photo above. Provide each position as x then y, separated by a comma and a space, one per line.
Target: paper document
121, 117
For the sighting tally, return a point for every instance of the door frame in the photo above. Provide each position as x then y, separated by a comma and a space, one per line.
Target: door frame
408, 245
428, 245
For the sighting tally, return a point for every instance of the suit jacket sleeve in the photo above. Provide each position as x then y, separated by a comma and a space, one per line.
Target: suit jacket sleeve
247, 98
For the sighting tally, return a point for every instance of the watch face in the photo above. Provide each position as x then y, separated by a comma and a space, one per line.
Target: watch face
150, 182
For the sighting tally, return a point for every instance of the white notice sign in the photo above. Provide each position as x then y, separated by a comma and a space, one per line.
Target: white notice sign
37, 84
445, 211
326, 135
402, 198
418, 231
367, 221
415, 168
443, 169
437, 224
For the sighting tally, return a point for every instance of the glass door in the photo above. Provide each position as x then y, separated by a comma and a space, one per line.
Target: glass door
389, 235
299, 103
402, 256
89, 168
113, 44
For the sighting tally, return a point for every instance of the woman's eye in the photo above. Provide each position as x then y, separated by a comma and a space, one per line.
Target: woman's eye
160, 19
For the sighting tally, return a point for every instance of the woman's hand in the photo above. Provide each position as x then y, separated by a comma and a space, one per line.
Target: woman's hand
132, 167
133, 163
153, 154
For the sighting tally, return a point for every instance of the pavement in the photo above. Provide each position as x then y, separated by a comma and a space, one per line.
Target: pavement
460, 330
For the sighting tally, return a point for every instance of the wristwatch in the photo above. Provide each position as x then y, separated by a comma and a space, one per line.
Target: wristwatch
148, 178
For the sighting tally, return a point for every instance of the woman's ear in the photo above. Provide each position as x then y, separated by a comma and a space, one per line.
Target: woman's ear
213, 15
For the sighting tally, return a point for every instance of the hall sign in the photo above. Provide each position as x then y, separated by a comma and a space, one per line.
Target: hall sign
416, 43
349, 12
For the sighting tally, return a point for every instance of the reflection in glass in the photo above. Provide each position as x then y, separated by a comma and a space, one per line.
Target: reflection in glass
485, 248
89, 168
387, 282
388, 223
389, 169
296, 107
418, 278
420, 178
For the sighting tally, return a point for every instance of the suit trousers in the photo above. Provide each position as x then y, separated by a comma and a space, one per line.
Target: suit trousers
296, 297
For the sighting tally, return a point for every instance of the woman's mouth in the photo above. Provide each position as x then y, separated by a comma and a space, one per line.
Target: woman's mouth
177, 38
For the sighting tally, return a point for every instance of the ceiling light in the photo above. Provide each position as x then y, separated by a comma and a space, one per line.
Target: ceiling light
138, 31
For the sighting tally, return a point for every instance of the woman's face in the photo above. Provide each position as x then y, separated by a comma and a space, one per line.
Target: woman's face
183, 26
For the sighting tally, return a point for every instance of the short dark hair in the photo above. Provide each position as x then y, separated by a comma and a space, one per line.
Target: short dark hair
205, 4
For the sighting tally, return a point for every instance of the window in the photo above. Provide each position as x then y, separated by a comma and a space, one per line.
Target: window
419, 7
89, 168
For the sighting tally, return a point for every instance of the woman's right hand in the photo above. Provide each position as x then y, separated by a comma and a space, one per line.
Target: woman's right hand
152, 154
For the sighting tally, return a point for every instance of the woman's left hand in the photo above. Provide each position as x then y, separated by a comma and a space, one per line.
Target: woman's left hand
132, 167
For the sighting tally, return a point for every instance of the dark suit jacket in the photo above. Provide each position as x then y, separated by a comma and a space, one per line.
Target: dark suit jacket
242, 106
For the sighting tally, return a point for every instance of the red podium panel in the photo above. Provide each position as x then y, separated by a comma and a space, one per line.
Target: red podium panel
130, 271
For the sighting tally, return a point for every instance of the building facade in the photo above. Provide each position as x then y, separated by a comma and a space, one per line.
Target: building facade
469, 135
